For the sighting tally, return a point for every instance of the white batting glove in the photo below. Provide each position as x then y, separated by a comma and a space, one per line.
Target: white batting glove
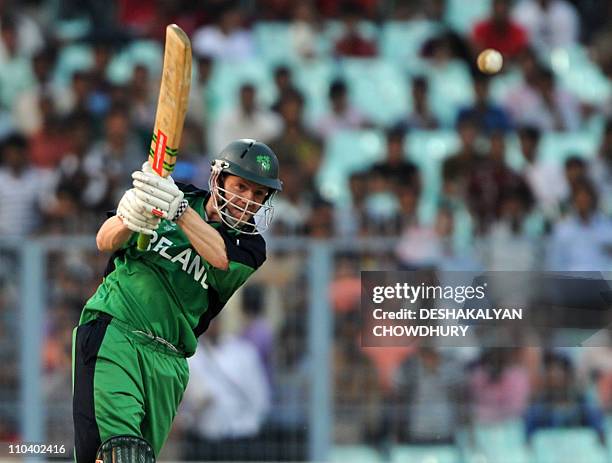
161, 192
136, 214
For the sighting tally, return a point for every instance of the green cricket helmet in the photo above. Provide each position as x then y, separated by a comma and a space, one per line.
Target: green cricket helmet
253, 161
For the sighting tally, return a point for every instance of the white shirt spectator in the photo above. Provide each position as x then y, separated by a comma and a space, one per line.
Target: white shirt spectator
210, 40
527, 107
332, 122
228, 394
548, 28
261, 125
581, 246
21, 200
548, 184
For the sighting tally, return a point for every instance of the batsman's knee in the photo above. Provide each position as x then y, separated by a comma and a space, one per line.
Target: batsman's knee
125, 449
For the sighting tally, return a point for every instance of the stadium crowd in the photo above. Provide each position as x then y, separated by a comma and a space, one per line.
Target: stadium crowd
384, 128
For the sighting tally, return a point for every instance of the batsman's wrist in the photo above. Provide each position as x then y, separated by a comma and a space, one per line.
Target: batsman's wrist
184, 204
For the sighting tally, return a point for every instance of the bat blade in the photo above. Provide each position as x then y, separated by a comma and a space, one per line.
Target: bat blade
171, 106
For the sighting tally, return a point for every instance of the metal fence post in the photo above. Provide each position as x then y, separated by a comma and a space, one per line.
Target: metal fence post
319, 347
32, 318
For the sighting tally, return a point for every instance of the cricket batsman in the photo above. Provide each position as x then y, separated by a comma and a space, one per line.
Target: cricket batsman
143, 321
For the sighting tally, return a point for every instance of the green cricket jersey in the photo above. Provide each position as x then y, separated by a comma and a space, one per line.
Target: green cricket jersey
169, 290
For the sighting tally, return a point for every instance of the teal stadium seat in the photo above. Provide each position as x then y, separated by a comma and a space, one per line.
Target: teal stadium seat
580, 75
377, 88
498, 443
146, 52
346, 152
425, 454
557, 146
450, 88
568, 446
72, 58
354, 454
313, 79
461, 14
273, 42
401, 42
227, 77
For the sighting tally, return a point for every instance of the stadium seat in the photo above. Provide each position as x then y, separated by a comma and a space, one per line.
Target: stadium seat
580, 75
558, 146
145, 52
346, 152
450, 88
498, 443
354, 454
377, 88
228, 76
568, 446
401, 42
425, 454
313, 79
72, 58
462, 15
273, 41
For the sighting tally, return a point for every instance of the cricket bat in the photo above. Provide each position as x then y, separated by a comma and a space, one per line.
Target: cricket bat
171, 107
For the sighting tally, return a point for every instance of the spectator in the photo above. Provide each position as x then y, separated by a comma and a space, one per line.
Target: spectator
226, 40
227, 398
342, 115
487, 116
499, 387
284, 84
545, 179
49, 144
117, 154
203, 102
500, 32
600, 169
421, 117
510, 245
489, 180
256, 326
561, 403
457, 169
292, 206
295, 142
143, 99
395, 166
350, 220
541, 102
320, 224
353, 44
429, 394
16, 72
80, 193
249, 120
381, 205
304, 30
575, 173
551, 24
26, 110
21, 188
357, 396
583, 240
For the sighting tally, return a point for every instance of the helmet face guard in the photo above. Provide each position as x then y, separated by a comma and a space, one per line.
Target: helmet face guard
254, 217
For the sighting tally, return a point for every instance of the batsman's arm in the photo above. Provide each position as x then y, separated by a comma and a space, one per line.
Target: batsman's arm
205, 239
112, 234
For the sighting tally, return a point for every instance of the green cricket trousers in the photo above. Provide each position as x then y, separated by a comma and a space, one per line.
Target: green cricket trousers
124, 383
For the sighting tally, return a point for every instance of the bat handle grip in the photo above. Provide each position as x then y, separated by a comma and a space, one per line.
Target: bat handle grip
143, 241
